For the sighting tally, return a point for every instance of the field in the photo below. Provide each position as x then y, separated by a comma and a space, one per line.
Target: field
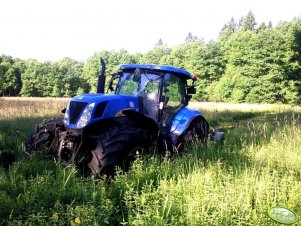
230, 183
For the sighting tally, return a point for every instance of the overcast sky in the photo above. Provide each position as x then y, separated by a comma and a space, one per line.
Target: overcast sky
53, 29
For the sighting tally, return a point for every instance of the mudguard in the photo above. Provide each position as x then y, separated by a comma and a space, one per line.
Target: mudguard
181, 122
142, 121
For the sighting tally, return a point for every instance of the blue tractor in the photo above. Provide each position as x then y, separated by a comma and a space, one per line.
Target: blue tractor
146, 111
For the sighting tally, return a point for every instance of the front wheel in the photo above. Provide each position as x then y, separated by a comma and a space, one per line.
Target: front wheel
44, 136
118, 147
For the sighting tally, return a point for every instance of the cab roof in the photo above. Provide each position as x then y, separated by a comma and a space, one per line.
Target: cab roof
157, 67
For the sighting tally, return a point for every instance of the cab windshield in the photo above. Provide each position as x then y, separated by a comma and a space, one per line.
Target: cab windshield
138, 81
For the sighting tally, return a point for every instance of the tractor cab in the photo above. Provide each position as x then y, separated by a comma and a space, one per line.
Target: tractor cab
161, 90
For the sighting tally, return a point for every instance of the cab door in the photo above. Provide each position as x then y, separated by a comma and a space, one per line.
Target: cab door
173, 95
150, 93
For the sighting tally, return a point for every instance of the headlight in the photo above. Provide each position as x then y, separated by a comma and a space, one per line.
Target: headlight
85, 116
66, 117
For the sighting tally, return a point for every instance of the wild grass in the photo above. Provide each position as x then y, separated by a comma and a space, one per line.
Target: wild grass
25, 107
230, 183
18, 117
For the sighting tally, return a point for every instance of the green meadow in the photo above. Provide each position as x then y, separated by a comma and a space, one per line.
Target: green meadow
234, 182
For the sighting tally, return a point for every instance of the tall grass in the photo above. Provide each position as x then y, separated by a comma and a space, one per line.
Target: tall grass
230, 183
18, 117
16, 107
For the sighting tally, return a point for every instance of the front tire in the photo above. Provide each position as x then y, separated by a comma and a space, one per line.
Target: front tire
118, 147
44, 136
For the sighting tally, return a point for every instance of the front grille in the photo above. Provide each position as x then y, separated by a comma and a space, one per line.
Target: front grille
75, 109
100, 109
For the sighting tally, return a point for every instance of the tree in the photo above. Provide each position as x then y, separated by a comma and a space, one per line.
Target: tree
91, 69
248, 23
10, 76
262, 26
212, 66
68, 77
261, 67
155, 56
190, 38
32, 79
244, 64
228, 29
159, 43
232, 25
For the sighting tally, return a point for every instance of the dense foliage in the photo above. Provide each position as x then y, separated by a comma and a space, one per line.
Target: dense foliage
247, 63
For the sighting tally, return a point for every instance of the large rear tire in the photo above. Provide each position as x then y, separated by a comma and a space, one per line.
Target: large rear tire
118, 147
198, 131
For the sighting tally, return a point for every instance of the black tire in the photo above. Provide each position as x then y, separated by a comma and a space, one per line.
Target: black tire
44, 136
198, 131
118, 147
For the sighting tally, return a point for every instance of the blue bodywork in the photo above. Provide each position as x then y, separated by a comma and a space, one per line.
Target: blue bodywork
181, 121
157, 67
92, 108
112, 104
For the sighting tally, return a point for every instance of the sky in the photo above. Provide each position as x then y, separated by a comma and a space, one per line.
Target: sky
49, 30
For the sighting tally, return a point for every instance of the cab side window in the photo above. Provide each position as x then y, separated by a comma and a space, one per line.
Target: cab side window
174, 91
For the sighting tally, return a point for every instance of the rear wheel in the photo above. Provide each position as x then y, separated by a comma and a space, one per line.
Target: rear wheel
198, 130
118, 147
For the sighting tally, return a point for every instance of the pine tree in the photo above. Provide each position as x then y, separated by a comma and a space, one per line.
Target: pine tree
248, 23
190, 37
262, 26
159, 43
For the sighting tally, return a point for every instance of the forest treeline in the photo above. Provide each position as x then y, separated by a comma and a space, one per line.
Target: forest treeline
247, 63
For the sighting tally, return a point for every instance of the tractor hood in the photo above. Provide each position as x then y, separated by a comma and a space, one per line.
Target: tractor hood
85, 109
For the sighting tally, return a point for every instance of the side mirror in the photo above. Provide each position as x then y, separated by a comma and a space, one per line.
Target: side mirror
187, 99
111, 87
191, 90
114, 77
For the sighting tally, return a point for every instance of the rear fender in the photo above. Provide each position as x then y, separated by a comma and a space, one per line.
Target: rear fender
140, 120
181, 122
98, 127
125, 117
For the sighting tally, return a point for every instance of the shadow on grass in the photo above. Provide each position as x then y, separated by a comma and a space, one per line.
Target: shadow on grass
13, 133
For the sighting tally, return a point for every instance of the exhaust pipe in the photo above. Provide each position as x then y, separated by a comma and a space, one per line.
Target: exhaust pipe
101, 77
